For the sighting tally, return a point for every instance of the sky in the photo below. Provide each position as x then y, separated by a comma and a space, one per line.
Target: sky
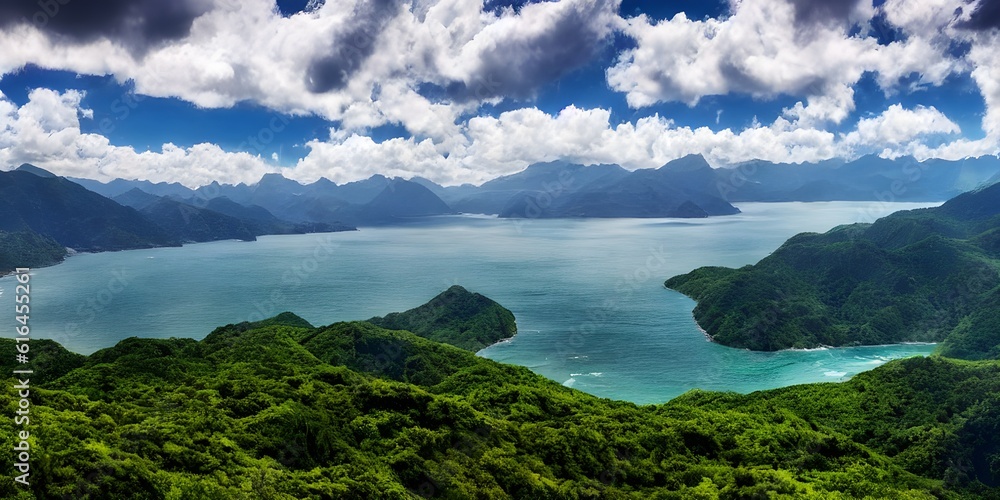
463, 91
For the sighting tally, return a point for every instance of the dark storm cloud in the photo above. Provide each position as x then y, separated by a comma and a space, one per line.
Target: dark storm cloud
352, 48
518, 66
136, 24
985, 17
823, 11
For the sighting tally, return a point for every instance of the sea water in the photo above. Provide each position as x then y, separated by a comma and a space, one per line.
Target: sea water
588, 295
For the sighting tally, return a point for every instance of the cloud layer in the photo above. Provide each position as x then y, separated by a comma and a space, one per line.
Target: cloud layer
46, 132
430, 66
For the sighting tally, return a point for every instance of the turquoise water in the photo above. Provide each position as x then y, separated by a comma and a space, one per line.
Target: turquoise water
588, 295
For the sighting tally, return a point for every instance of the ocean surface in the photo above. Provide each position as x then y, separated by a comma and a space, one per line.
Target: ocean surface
588, 295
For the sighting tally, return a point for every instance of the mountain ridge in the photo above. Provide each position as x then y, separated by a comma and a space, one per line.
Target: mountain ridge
926, 275
564, 189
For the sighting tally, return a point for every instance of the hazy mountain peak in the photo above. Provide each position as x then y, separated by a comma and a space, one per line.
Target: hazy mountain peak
31, 169
323, 182
136, 198
275, 179
687, 163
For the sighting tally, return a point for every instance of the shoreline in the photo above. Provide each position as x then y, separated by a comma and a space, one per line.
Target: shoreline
501, 341
70, 252
821, 347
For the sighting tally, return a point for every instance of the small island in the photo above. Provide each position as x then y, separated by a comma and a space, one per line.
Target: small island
457, 317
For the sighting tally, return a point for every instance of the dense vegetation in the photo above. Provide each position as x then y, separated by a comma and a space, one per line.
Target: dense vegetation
388, 409
280, 409
919, 275
457, 317
28, 249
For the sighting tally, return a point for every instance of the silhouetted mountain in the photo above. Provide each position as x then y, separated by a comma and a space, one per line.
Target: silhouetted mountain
277, 184
136, 198
261, 221
286, 199
120, 186
257, 213
186, 222
398, 200
72, 215
685, 187
689, 163
364, 191
376, 200
678, 189
448, 194
867, 178
402, 199
31, 169
541, 180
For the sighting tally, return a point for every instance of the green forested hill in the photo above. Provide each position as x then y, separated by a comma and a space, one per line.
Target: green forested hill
918, 275
28, 249
279, 409
457, 317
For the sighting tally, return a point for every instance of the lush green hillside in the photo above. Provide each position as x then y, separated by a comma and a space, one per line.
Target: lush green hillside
71, 215
936, 417
279, 409
28, 249
919, 275
457, 317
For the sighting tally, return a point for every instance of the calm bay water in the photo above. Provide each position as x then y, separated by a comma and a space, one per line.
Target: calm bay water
588, 295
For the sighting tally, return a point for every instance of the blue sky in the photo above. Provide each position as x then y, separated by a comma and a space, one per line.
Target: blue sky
463, 91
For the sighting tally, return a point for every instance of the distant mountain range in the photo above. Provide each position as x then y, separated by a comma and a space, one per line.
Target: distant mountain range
39, 209
137, 214
686, 187
377, 200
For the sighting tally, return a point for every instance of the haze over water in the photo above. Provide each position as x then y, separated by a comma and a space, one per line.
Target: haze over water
588, 295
